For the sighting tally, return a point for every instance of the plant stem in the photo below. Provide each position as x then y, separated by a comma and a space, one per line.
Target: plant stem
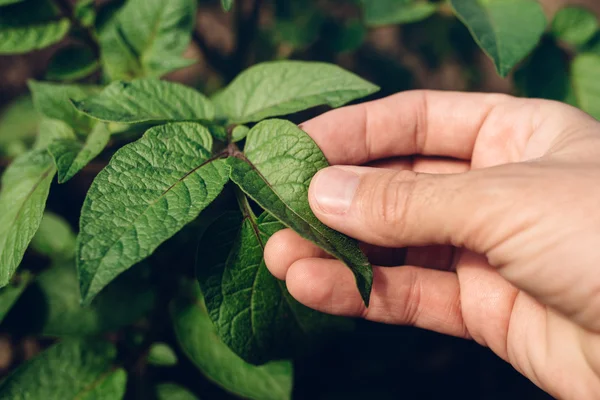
66, 10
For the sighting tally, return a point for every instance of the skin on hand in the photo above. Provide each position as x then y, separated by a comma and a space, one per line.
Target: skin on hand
488, 206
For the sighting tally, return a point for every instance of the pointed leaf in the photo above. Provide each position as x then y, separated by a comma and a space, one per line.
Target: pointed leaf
170, 391
252, 311
30, 25
227, 4
506, 30
585, 77
198, 340
146, 100
53, 101
149, 191
25, 186
161, 354
70, 155
11, 293
54, 238
280, 160
69, 370
72, 63
284, 87
574, 25
151, 35
387, 12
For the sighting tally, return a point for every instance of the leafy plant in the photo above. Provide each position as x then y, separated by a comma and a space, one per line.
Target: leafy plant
172, 164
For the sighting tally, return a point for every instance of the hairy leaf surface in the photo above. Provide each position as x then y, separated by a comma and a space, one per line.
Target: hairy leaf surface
506, 30
70, 370
25, 186
284, 87
280, 161
149, 191
146, 100
199, 341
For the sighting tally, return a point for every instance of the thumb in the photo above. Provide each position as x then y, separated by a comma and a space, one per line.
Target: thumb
402, 208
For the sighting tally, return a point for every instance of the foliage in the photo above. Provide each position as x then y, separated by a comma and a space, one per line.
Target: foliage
225, 165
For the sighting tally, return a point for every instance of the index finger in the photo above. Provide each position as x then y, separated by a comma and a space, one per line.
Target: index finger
434, 123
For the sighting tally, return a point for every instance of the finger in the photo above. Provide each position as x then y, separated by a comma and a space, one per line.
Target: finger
427, 165
407, 295
412, 122
286, 247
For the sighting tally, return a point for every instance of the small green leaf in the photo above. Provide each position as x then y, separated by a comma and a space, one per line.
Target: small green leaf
585, 77
160, 354
574, 25
171, 391
50, 130
506, 30
146, 100
239, 133
53, 101
25, 186
11, 293
227, 5
387, 12
72, 63
85, 12
70, 155
54, 238
280, 160
146, 38
197, 338
69, 370
252, 311
284, 87
149, 191
7, 2
18, 125
30, 25
52, 304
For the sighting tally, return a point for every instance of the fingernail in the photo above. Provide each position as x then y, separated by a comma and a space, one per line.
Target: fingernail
333, 189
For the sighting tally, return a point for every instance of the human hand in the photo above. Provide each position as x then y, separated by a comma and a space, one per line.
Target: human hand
489, 204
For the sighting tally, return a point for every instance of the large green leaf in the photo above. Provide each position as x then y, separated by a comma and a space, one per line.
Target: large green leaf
284, 87
11, 293
506, 30
252, 311
149, 191
70, 155
54, 238
53, 100
18, 126
53, 308
30, 25
67, 371
150, 36
199, 341
386, 12
25, 186
280, 160
585, 77
574, 25
146, 100
171, 391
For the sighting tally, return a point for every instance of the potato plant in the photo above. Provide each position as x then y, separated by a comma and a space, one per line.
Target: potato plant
191, 185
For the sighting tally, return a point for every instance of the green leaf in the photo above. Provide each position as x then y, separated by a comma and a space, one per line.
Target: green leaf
239, 133
574, 25
18, 125
70, 155
348, 36
506, 30
160, 354
199, 341
252, 311
146, 100
111, 387
280, 160
150, 36
69, 370
53, 100
50, 130
11, 293
170, 391
7, 2
72, 63
52, 304
227, 4
387, 12
149, 191
30, 25
585, 77
25, 186
54, 238
85, 12
300, 26
284, 87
